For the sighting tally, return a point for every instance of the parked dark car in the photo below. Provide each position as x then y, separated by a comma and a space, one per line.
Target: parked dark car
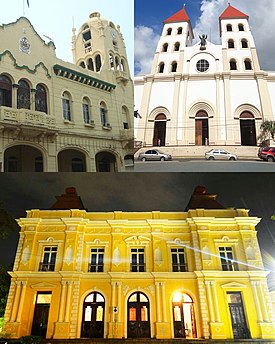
267, 153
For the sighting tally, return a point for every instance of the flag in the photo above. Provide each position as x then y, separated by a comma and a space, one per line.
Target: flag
28, 3
49, 38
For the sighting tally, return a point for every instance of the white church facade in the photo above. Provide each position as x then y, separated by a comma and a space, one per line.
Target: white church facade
204, 94
57, 116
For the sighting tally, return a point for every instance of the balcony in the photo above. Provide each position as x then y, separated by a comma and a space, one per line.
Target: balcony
121, 77
137, 267
95, 268
46, 266
27, 122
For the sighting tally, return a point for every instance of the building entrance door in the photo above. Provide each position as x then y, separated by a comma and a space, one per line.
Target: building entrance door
201, 129
248, 132
93, 316
159, 130
138, 316
41, 314
239, 325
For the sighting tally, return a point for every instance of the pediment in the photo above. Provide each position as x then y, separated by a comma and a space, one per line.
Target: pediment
43, 285
234, 285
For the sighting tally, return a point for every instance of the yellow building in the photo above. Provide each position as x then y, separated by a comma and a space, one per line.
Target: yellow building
191, 274
61, 116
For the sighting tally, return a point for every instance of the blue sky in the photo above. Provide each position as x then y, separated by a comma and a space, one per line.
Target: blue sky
54, 18
204, 16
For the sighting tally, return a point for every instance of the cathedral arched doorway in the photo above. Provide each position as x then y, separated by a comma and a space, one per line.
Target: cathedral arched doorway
93, 316
138, 322
201, 129
184, 316
248, 129
105, 162
23, 158
71, 160
160, 130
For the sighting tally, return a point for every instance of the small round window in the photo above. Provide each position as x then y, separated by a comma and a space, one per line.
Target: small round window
202, 65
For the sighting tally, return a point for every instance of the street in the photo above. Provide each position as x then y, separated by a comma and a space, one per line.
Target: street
202, 165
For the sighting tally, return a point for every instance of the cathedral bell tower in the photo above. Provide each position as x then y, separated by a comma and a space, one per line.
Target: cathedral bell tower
239, 51
99, 47
177, 34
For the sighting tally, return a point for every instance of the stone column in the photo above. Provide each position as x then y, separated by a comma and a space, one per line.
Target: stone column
113, 300
262, 302
159, 317
209, 298
215, 299
21, 301
256, 300
16, 301
68, 301
62, 301
163, 301
119, 301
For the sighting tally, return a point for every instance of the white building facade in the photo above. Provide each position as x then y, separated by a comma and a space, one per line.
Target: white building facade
57, 116
204, 94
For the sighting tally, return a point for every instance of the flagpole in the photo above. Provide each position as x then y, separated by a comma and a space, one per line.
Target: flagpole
23, 7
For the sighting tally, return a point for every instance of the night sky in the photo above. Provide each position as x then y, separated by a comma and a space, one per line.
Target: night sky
140, 192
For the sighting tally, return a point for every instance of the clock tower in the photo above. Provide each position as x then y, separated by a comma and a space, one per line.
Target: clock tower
99, 47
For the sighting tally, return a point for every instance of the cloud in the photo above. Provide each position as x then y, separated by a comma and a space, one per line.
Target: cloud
261, 20
146, 40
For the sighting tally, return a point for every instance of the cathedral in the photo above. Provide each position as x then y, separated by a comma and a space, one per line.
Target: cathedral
57, 116
204, 94
193, 274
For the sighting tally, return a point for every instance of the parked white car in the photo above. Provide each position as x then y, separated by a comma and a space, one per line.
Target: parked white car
220, 154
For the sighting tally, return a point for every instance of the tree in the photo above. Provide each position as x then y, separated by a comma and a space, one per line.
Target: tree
267, 132
7, 223
5, 285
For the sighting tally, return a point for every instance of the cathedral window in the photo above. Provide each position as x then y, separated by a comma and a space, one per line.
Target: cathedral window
174, 67
23, 95
244, 43
91, 64
137, 260
177, 46
202, 65
48, 259
122, 64
86, 35
161, 67
165, 47
227, 260
117, 63
179, 30
229, 28
240, 27
169, 31
5, 91
97, 63
231, 44
97, 260
85, 110
233, 64
178, 260
82, 64
41, 98
66, 101
103, 114
247, 64
111, 60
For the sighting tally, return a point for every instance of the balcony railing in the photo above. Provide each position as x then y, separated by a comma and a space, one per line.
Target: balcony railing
46, 266
95, 268
179, 268
138, 268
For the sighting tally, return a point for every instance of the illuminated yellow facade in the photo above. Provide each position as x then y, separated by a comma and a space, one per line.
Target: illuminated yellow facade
192, 274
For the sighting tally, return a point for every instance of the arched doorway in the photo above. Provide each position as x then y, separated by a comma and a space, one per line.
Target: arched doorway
93, 316
138, 322
248, 129
184, 316
160, 130
71, 160
23, 158
201, 129
105, 162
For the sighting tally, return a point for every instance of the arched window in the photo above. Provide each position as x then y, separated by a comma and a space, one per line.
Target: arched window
122, 65
103, 114
230, 44
161, 67
111, 60
91, 64
244, 43
125, 117
240, 27
41, 99
233, 64
78, 165
86, 110
23, 95
82, 64
5, 91
247, 64
117, 63
66, 102
169, 31
174, 66
165, 47
229, 27
97, 63
177, 46
179, 30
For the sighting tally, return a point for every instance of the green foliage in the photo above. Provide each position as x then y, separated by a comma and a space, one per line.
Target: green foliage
267, 132
31, 340
5, 285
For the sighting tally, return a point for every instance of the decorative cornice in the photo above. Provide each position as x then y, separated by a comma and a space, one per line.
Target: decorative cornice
33, 71
82, 78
